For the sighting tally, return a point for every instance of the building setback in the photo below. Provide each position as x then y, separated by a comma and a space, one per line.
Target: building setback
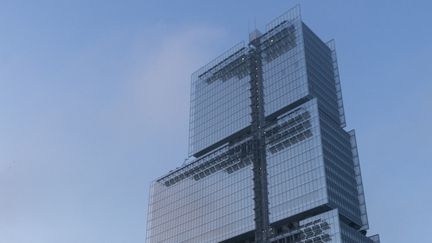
271, 158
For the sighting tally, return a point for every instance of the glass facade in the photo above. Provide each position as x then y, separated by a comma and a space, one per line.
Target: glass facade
296, 175
313, 186
284, 65
211, 204
324, 227
219, 99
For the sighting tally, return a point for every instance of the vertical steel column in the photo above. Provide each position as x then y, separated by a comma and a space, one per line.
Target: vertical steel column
258, 148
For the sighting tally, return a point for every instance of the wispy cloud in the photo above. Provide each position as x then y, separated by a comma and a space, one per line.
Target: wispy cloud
84, 156
162, 80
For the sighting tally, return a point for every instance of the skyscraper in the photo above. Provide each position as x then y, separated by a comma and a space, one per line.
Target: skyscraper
271, 158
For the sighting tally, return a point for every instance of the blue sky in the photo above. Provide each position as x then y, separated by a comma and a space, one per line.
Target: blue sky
94, 99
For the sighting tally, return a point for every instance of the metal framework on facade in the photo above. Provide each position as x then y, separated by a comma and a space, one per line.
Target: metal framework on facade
262, 228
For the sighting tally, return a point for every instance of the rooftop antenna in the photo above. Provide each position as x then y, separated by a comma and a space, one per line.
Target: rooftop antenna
255, 32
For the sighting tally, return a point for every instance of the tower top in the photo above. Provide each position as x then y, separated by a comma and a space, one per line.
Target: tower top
254, 35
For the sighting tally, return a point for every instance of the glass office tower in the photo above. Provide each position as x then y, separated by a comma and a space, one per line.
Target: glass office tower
272, 160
